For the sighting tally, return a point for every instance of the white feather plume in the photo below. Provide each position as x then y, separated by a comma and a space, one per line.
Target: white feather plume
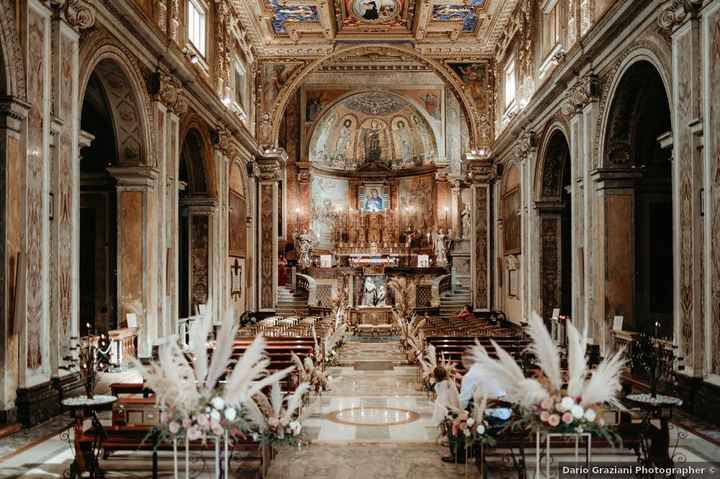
199, 331
223, 350
294, 401
577, 364
251, 365
604, 384
545, 350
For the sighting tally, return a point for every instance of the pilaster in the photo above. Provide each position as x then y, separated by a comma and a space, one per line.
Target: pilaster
268, 202
481, 175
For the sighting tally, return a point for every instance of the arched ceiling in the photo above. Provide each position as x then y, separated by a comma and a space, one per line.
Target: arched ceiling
463, 26
372, 130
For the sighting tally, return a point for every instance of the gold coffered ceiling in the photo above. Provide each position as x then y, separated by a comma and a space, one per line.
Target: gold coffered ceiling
314, 27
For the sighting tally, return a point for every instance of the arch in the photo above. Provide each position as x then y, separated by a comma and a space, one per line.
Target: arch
129, 101
12, 79
548, 174
236, 178
607, 125
390, 118
275, 117
196, 154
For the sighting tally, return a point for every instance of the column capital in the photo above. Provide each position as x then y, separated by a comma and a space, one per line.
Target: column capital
675, 14
615, 178
480, 170
303, 171
269, 169
79, 14
134, 176
585, 91
13, 113
526, 143
456, 183
199, 205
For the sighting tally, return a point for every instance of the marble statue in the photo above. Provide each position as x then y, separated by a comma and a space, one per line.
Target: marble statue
466, 222
303, 246
441, 246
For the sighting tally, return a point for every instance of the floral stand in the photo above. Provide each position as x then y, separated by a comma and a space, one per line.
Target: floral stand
547, 438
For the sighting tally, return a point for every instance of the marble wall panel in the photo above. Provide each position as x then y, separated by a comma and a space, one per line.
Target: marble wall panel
267, 239
712, 38
130, 255
620, 240
200, 260
480, 247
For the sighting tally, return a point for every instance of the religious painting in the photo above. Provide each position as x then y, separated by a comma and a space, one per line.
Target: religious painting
465, 13
273, 78
237, 231
282, 12
377, 130
382, 16
373, 198
329, 205
416, 204
479, 87
317, 99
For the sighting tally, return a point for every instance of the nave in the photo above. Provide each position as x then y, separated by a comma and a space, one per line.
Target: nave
373, 423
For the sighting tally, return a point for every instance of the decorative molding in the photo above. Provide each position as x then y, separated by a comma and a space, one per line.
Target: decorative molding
585, 91
676, 12
525, 144
79, 14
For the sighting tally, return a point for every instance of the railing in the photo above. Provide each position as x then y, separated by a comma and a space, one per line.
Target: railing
440, 285
123, 344
309, 285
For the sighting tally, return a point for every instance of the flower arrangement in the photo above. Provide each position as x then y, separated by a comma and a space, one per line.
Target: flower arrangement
332, 343
544, 403
276, 417
193, 402
309, 373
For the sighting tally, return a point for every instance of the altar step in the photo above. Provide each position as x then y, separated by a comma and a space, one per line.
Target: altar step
291, 303
452, 302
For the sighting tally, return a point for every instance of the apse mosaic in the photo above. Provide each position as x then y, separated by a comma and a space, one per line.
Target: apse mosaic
459, 12
377, 130
296, 13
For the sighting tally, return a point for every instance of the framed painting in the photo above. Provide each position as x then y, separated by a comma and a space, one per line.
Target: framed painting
237, 233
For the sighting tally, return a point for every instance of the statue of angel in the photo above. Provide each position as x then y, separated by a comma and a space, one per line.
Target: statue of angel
441, 244
466, 222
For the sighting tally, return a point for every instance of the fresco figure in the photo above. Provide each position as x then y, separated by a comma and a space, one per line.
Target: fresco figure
373, 150
343, 140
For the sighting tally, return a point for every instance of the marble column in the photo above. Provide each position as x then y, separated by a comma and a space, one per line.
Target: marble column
268, 203
482, 177
137, 231
13, 115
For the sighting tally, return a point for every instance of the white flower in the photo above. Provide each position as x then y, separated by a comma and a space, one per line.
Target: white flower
255, 436
590, 415
218, 403
566, 403
577, 411
470, 422
230, 414
215, 415
466, 432
174, 427
481, 429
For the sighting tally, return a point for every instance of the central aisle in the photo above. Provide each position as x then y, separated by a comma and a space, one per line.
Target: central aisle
375, 422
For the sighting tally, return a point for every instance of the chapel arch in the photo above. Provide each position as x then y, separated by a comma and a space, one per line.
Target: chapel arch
554, 223
639, 202
197, 205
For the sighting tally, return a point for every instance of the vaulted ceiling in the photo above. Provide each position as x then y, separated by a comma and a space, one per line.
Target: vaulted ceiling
315, 27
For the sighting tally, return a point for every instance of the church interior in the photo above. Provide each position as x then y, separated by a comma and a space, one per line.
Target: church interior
350, 239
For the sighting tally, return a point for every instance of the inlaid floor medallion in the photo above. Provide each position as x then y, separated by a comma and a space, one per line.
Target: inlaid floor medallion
373, 416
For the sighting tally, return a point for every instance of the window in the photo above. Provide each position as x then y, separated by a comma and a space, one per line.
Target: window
551, 27
509, 82
196, 19
239, 85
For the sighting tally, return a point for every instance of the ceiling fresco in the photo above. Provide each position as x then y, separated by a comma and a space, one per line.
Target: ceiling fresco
313, 27
282, 12
372, 130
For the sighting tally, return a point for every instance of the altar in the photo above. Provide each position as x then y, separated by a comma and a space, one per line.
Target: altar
371, 315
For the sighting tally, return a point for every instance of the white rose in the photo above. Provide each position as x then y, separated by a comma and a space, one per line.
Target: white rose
470, 422
467, 432
218, 403
215, 415
567, 403
577, 411
590, 415
481, 429
230, 414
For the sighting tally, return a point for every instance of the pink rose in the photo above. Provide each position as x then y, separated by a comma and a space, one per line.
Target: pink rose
202, 420
193, 434
216, 428
544, 416
546, 404
186, 423
567, 418
554, 420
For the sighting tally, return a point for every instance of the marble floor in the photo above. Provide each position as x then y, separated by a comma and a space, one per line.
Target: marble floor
374, 422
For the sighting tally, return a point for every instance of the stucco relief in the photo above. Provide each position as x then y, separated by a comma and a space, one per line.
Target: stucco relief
266, 246
481, 247
200, 256
34, 188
